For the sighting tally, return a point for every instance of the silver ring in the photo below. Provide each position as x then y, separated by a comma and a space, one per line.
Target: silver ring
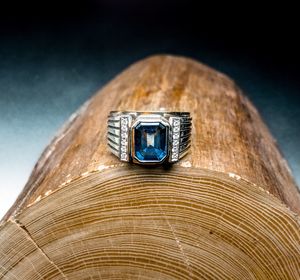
149, 137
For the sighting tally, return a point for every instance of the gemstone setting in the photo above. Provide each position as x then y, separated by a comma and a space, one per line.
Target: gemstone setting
150, 141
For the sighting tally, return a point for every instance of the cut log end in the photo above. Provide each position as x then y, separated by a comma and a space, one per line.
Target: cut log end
128, 223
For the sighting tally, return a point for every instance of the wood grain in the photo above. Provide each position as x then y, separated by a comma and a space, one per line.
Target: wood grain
228, 210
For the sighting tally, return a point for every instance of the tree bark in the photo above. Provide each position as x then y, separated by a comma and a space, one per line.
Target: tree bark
228, 210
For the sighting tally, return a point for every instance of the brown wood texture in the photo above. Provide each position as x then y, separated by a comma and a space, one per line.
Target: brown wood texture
228, 210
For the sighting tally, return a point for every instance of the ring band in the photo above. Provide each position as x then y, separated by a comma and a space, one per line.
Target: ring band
149, 137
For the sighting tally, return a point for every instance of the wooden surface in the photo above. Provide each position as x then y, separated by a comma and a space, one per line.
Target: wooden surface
228, 210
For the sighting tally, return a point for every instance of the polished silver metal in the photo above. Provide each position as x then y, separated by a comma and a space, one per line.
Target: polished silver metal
120, 133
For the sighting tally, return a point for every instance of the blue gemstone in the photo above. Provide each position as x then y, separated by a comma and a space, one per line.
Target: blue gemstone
150, 140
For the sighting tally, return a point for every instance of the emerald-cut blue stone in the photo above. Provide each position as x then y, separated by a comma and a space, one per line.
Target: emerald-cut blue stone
150, 140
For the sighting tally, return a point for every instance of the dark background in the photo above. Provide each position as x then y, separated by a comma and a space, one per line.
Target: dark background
56, 54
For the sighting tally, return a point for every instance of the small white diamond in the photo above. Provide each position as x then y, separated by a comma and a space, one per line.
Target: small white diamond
175, 149
123, 148
124, 128
176, 129
175, 142
124, 135
176, 122
174, 157
124, 142
176, 136
124, 121
123, 156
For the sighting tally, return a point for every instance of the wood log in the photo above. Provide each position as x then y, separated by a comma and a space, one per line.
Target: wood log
228, 210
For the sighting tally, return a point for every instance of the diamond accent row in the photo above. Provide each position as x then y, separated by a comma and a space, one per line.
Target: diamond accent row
124, 127
175, 139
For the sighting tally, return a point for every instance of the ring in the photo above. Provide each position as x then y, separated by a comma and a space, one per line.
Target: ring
149, 137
